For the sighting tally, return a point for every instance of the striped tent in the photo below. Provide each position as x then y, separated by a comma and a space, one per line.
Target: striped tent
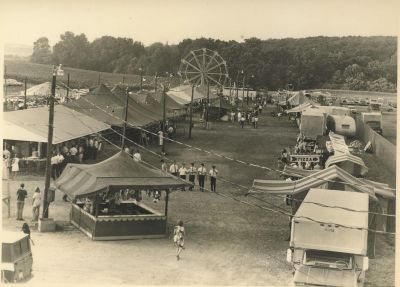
332, 174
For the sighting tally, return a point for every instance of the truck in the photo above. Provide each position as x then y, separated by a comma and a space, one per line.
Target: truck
16, 257
373, 120
312, 123
328, 243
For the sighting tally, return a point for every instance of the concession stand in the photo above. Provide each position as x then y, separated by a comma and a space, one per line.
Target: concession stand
107, 201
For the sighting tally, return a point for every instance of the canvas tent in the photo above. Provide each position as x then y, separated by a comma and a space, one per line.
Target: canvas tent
350, 163
118, 171
109, 108
107, 179
32, 125
332, 175
183, 94
44, 90
298, 98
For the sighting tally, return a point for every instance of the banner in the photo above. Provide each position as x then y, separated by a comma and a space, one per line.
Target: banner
305, 158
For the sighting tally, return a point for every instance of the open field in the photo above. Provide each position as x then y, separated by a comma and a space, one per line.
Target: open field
227, 243
39, 73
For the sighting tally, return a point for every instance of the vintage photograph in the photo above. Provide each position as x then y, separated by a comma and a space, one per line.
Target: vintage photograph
199, 142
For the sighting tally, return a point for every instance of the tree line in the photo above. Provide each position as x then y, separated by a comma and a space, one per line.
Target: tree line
352, 62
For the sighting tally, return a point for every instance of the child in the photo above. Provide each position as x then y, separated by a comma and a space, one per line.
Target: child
179, 241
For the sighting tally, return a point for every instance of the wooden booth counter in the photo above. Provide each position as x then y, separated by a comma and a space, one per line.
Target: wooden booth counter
110, 195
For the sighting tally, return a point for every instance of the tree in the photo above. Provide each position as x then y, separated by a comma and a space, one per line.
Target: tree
72, 50
41, 51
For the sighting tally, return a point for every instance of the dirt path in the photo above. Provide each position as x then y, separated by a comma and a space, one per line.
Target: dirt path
227, 243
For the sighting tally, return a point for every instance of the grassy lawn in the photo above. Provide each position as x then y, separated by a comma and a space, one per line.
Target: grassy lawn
227, 243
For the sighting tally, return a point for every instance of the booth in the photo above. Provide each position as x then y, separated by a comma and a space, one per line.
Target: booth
107, 198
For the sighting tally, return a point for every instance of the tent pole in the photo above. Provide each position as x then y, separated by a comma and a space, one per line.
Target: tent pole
166, 203
191, 114
125, 119
163, 125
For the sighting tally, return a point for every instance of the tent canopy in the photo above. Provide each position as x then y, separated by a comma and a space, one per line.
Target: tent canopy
109, 108
118, 171
183, 94
332, 173
348, 162
32, 125
44, 90
298, 99
379, 188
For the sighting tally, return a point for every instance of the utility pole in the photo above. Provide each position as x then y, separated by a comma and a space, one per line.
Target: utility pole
125, 118
67, 87
163, 125
155, 84
98, 81
46, 204
243, 90
208, 100
237, 87
247, 96
5, 89
141, 78
25, 106
191, 114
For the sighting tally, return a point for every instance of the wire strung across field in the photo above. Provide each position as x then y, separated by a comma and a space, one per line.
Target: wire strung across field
239, 161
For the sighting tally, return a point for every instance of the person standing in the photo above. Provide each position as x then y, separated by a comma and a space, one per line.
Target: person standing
242, 119
164, 166
213, 178
182, 173
173, 169
136, 156
255, 121
201, 176
192, 175
15, 166
36, 200
179, 238
21, 195
239, 116
232, 116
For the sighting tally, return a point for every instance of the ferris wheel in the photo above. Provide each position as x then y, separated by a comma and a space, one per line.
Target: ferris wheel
203, 66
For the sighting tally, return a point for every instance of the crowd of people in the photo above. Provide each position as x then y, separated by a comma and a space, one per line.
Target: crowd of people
249, 116
191, 172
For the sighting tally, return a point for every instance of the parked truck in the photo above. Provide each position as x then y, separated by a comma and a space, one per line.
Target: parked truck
328, 246
374, 120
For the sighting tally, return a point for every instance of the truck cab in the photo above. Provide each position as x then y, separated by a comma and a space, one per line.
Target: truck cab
322, 251
16, 257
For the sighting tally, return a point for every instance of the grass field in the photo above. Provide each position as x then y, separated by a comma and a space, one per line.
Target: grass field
38, 73
227, 243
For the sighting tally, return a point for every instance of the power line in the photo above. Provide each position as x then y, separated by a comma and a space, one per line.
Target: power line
279, 211
247, 188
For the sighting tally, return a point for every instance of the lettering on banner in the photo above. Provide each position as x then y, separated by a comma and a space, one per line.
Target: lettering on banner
305, 158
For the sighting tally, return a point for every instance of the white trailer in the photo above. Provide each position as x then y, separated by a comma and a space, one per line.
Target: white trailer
328, 246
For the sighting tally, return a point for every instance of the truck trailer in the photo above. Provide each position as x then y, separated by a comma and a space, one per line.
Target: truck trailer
328, 244
373, 120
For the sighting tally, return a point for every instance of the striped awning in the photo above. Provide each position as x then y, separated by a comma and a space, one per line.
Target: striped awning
332, 173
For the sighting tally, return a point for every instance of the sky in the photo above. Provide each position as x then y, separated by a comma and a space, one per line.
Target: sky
24, 21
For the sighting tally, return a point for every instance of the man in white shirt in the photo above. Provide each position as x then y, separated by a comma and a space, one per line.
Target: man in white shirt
213, 178
54, 166
202, 176
173, 169
182, 173
136, 156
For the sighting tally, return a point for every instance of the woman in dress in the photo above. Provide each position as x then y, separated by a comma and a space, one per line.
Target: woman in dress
179, 240
15, 166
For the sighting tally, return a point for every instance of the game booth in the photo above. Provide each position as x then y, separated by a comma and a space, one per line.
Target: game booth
107, 198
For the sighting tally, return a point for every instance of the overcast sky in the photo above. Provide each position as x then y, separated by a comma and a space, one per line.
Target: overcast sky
171, 21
